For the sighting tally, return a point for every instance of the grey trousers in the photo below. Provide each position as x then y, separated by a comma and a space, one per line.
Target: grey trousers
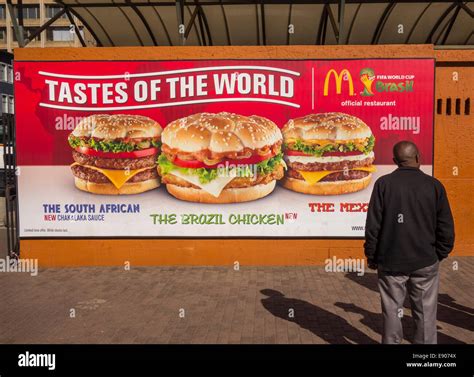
422, 286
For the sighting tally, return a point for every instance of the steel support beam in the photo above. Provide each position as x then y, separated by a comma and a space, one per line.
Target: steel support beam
229, 41
450, 25
354, 18
257, 21
467, 39
335, 29
342, 30
439, 22
262, 15
466, 9
240, 2
191, 22
94, 34
16, 28
322, 26
76, 28
206, 26
201, 25
416, 23
290, 13
383, 20
45, 26
340, 18
157, 14
144, 21
20, 12
180, 15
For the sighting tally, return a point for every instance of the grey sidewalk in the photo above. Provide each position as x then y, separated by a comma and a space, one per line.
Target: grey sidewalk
220, 305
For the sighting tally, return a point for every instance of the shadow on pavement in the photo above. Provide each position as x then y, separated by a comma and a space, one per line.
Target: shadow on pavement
374, 322
324, 324
367, 280
449, 311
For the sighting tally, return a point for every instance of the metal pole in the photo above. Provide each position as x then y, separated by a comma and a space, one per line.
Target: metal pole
180, 15
16, 28
191, 22
45, 25
76, 28
20, 12
450, 26
342, 38
333, 23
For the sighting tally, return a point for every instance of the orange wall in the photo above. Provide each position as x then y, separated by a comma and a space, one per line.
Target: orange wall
453, 139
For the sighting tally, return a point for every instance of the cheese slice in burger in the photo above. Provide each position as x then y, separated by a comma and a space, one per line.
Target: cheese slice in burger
313, 177
117, 177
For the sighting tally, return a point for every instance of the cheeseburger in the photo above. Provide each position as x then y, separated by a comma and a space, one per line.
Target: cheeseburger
328, 154
115, 154
221, 158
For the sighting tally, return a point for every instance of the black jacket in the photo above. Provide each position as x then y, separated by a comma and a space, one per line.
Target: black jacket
409, 223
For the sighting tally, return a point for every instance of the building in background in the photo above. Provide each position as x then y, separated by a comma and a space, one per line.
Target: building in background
35, 14
6, 83
7, 107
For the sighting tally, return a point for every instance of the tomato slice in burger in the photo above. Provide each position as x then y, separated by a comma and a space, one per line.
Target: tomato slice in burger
192, 164
134, 154
195, 164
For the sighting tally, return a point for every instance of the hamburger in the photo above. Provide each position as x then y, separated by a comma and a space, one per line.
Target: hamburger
221, 158
115, 154
328, 154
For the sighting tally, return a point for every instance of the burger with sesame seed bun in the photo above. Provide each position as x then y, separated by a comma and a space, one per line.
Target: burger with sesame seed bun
115, 154
328, 154
221, 158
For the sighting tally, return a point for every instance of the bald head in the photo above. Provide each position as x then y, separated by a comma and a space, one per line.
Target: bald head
405, 153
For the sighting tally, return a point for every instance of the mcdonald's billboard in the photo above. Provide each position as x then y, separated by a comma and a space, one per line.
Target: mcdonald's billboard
212, 148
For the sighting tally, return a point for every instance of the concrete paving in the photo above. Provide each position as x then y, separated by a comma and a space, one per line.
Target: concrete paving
215, 305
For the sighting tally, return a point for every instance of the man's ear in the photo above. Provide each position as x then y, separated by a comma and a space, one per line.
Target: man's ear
417, 159
395, 160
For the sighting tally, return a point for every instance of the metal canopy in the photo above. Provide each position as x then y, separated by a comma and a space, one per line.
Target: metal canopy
194, 22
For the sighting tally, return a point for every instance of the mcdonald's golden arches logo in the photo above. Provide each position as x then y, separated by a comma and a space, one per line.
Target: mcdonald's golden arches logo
339, 78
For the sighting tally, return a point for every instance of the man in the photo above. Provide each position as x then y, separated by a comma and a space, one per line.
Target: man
409, 229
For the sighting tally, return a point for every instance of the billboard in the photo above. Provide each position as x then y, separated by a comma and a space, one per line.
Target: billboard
212, 148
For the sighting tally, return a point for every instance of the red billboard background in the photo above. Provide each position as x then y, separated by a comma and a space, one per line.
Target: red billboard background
44, 122
394, 97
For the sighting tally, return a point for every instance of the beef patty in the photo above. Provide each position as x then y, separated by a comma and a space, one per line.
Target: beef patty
91, 175
115, 163
337, 176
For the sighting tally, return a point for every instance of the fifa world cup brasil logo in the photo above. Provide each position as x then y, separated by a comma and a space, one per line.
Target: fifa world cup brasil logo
367, 76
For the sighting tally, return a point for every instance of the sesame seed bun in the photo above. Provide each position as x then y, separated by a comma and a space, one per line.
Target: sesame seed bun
232, 195
110, 189
326, 126
326, 188
220, 133
117, 126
